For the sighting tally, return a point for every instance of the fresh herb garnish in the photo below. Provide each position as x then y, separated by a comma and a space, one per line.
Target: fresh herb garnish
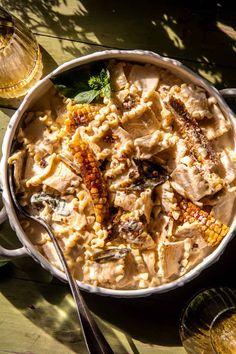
86, 96
85, 90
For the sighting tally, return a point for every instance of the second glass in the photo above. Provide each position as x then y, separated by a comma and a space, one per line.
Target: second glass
208, 323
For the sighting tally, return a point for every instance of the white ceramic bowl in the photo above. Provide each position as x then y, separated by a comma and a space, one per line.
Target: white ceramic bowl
33, 95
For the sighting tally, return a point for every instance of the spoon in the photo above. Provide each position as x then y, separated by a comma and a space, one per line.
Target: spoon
93, 337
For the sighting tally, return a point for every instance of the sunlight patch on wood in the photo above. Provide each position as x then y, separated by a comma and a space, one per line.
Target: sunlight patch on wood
205, 59
176, 40
62, 50
229, 31
214, 78
91, 37
77, 7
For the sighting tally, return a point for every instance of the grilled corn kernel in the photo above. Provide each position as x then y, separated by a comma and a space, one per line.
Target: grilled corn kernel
80, 114
213, 230
92, 178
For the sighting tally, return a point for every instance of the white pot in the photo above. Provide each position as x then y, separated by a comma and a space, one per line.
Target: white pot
33, 95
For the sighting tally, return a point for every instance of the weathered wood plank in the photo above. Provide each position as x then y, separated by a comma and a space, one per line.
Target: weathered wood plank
32, 323
63, 50
41, 318
56, 51
190, 30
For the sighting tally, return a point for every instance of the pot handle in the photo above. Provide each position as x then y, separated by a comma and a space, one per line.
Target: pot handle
6, 253
228, 92
19, 252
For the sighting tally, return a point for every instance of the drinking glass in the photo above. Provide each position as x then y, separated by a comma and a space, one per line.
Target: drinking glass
20, 58
208, 323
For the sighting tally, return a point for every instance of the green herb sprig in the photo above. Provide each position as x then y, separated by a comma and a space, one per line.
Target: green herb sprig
85, 92
100, 86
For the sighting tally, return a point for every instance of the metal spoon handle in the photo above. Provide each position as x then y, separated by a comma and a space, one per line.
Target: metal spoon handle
95, 341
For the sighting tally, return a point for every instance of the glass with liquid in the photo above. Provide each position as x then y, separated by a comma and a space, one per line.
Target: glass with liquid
20, 57
208, 323
223, 332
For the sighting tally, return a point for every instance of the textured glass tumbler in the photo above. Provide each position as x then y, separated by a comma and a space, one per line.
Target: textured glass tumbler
208, 323
20, 58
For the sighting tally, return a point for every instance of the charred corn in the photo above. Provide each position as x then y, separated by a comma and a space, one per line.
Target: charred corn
213, 230
92, 178
196, 141
80, 115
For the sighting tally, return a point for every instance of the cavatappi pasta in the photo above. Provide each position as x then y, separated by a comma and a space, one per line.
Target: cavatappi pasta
138, 188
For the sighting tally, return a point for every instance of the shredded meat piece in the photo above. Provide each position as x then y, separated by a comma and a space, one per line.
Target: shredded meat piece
129, 102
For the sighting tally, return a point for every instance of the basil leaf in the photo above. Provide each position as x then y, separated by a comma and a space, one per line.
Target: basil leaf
86, 96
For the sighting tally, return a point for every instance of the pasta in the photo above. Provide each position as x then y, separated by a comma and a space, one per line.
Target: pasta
129, 183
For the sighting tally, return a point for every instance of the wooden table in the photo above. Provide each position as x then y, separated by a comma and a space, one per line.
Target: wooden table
37, 314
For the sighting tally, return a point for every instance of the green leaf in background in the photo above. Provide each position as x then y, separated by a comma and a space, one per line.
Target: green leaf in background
3, 261
65, 90
86, 96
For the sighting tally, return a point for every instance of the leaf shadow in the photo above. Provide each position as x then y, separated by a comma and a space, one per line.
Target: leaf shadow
191, 31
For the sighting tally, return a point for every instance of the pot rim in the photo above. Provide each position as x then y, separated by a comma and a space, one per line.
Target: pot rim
129, 55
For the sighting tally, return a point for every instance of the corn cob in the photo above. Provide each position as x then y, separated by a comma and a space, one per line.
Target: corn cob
196, 141
213, 230
80, 115
92, 178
